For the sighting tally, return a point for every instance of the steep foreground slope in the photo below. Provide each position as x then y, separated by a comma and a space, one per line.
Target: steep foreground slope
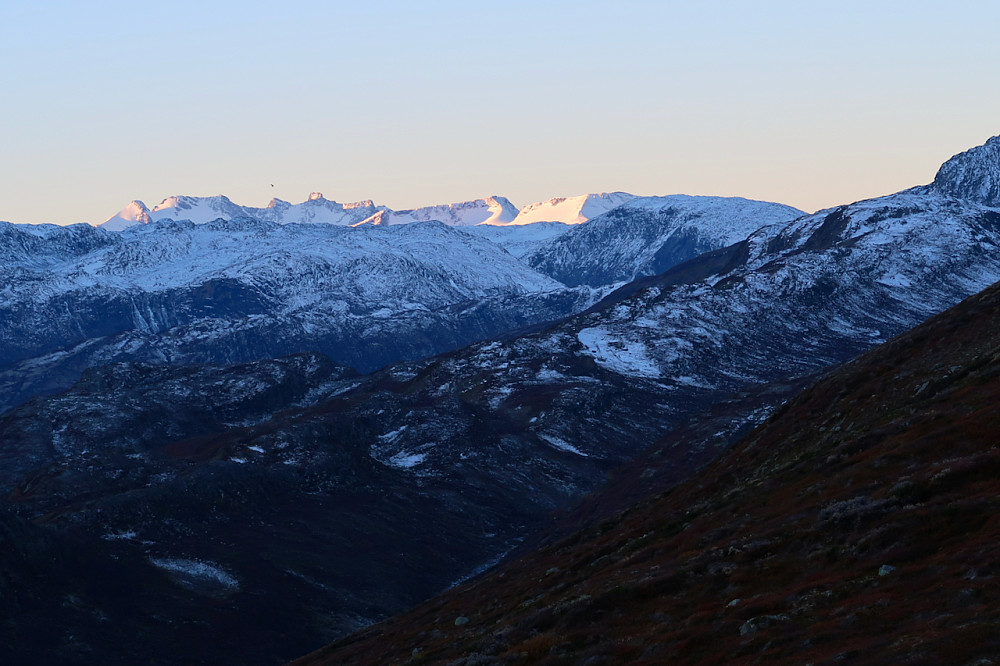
859, 524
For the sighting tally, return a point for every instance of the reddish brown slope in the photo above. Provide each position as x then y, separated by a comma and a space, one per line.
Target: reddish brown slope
860, 524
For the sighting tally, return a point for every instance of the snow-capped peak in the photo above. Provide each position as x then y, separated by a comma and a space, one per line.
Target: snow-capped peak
367, 203
489, 210
317, 209
196, 209
132, 214
572, 210
973, 175
201, 210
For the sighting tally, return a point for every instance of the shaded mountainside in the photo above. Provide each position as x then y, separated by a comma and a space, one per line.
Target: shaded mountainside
649, 235
858, 524
794, 299
342, 499
240, 290
69, 599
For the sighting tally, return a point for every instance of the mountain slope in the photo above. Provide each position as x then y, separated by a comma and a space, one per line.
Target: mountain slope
806, 543
519, 240
647, 236
233, 290
229, 291
348, 497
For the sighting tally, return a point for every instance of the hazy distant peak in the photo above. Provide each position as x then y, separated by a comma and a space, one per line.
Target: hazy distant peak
572, 210
367, 203
185, 202
379, 219
134, 213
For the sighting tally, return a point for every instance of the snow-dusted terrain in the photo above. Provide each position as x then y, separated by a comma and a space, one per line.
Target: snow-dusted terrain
235, 290
519, 240
649, 235
205, 280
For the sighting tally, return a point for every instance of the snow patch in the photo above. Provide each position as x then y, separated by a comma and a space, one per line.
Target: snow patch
896, 280
406, 460
390, 437
197, 571
561, 444
120, 536
612, 352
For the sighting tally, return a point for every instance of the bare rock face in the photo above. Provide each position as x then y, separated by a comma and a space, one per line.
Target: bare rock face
973, 175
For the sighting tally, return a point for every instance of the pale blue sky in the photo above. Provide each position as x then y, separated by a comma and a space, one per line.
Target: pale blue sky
413, 103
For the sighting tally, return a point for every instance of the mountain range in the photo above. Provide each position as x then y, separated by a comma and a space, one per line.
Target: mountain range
243, 289
494, 210
342, 498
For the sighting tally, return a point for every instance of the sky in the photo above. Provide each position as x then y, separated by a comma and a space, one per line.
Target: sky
812, 104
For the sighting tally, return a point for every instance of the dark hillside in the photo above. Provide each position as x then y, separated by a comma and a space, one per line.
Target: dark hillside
859, 524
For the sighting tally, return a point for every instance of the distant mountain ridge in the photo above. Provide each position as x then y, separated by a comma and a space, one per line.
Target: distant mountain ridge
201, 210
492, 210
